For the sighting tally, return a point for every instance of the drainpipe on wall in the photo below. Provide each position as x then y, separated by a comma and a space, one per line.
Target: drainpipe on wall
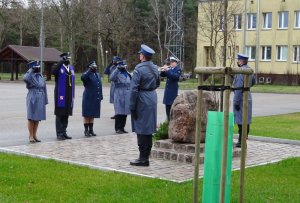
245, 25
257, 39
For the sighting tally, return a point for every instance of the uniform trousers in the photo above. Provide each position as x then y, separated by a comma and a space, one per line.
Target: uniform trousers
168, 111
145, 145
120, 121
61, 125
240, 132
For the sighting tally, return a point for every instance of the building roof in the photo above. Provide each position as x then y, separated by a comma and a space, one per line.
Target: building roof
28, 53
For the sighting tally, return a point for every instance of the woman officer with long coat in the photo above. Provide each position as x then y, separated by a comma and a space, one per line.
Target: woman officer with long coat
121, 78
92, 96
36, 99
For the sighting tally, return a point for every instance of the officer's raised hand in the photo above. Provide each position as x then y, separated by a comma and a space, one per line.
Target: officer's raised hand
93, 66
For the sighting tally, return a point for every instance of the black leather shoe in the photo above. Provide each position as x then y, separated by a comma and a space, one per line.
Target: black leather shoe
92, 133
86, 133
113, 117
124, 131
37, 140
119, 132
238, 145
60, 138
67, 137
140, 162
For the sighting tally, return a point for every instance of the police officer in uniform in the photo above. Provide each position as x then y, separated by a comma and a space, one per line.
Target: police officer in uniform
172, 72
108, 70
91, 99
121, 79
238, 82
63, 95
143, 103
36, 99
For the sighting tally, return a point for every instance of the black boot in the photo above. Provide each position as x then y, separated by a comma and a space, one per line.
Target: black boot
91, 132
142, 160
86, 130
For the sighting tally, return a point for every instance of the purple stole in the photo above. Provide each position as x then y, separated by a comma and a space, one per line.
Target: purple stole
63, 81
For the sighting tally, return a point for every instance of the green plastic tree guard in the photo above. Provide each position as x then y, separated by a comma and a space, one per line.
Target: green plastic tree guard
213, 157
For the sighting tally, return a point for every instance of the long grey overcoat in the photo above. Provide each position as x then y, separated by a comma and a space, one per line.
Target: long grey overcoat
37, 97
143, 97
121, 80
238, 97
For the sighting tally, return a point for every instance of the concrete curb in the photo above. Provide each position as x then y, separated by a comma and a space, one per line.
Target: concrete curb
271, 140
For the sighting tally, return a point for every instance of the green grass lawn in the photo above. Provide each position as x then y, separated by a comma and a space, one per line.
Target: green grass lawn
25, 179
284, 126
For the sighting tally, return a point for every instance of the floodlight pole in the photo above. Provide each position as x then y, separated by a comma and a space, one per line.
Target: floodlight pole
42, 35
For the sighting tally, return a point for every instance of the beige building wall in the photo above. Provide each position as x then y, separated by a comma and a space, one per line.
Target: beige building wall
273, 37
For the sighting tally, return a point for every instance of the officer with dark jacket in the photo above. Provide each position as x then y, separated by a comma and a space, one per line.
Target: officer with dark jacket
143, 103
238, 82
91, 99
63, 94
121, 79
172, 72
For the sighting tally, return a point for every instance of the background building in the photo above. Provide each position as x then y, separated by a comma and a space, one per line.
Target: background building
268, 32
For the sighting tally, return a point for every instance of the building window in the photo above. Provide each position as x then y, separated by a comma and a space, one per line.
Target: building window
267, 20
297, 19
237, 21
297, 53
282, 53
266, 53
283, 20
251, 52
251, 21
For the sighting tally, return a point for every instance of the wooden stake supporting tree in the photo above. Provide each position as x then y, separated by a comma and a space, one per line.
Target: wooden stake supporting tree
227, 72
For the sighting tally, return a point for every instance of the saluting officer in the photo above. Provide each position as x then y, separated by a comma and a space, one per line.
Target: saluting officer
108, 70
36, 99
91, 99
172, 72
143, 103
63, 95
238, 82
121, 79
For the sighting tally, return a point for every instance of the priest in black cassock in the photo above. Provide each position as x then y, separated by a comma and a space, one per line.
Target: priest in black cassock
63, 95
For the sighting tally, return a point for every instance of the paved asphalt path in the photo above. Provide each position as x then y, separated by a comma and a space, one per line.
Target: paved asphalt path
13, 123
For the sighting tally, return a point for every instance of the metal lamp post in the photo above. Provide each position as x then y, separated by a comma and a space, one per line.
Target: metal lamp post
42, 35
106, 52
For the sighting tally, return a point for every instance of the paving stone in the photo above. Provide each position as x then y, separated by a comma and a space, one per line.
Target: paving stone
114, 152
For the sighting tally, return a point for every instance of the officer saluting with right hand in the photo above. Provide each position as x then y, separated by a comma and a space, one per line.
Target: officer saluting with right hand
143, 103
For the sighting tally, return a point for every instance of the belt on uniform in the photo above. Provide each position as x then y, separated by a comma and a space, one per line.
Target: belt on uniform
146, 90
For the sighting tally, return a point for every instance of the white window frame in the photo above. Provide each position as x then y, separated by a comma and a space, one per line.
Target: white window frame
250, 51
297, 19
251, 17
264, 53
282, 53
282, 19
296, 54
237, 21
267, 19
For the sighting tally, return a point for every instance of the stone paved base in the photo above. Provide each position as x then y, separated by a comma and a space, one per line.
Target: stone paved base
114, 152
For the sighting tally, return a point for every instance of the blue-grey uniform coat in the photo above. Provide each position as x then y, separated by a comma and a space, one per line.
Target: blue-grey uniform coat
121, 80
92, 94
37, 97
112, 85
238, 97
143, 97
171, 90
